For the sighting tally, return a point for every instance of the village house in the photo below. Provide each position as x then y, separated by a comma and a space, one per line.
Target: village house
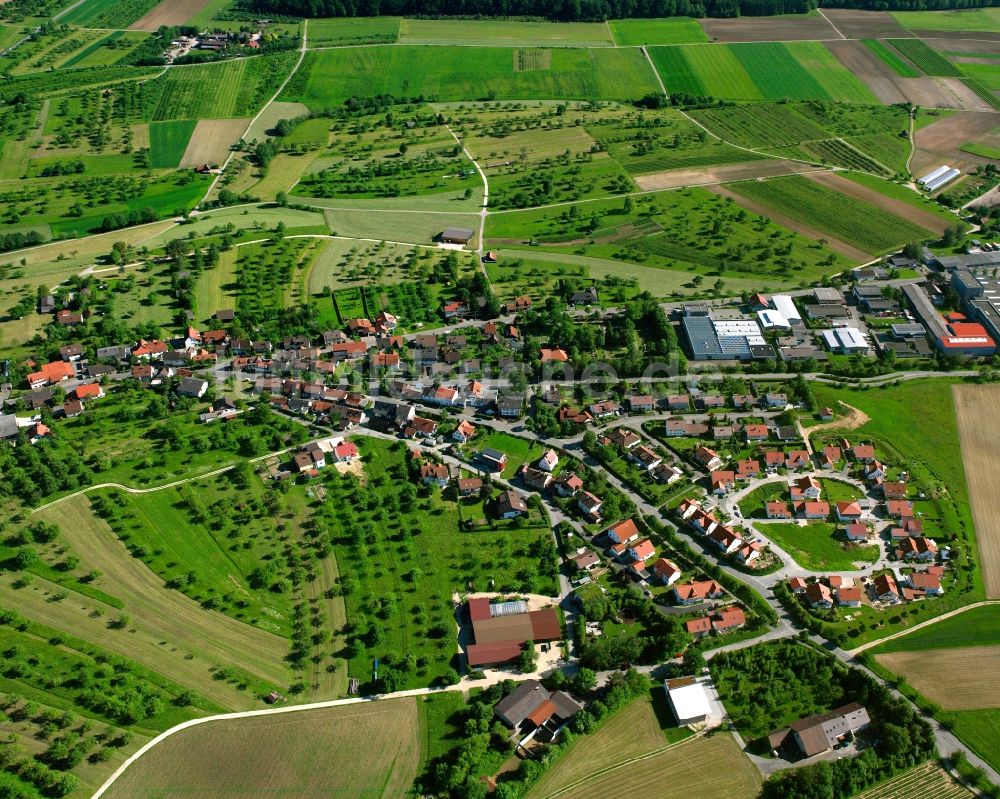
645, 458
679, 402
894, 490
434, 473
773, 460
493, 459
469, 486
590, 505
747, 469
624, 532
698, 628
420, 427
917, 548
805, 488
721, 482
777, 510
624, 438
50, 374
856, 531
510, 505
605, 410
797, 459
192, 387
899, 508
676, 428
728, 619
641, 551
641, 404
463, 431
757, 432
666, 571
884, 588
697, 591
818, 596
864, 453
567, 484
88, 392
849, 596
848, 511
535, 479
345, 452
820, 733
707, 457
829, 458
926, 581
548, 461
797, 585
811, 509
553, 355
666, 473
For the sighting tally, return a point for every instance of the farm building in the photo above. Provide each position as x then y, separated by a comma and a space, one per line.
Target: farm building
501, 629
688, 700
531, 708
457, 235
814, 735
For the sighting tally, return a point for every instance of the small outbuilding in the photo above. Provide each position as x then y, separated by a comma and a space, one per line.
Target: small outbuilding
687, 699
457, 235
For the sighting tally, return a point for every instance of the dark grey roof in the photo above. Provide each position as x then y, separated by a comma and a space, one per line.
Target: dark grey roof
521, 702
8, 426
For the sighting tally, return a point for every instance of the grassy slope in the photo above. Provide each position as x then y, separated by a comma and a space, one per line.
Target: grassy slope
818, 546
976, 627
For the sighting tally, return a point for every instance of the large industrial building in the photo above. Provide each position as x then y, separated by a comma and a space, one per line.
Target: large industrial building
723, 339
954, 335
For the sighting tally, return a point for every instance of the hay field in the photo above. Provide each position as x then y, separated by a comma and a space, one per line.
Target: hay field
710, 767
216, 288
632, 732
211, 141
979, 443
172, 633
928, 780
972, 675
369, 749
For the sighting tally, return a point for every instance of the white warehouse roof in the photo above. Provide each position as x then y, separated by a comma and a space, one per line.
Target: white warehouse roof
771, 319
786, 307
689, 702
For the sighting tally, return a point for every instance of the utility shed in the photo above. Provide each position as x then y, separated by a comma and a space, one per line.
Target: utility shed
457, 235
687, 700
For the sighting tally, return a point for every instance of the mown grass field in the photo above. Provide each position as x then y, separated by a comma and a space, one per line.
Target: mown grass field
107, 13
858, 223
329, 77
166, 631
353, 30
357, 750
408, 228
758, 71
682, 766
496, 33
978, 729
972, 673
975, 627
633, 731
168, 141
235, 88
100, 54
891, 58
919, 783
818, 546
671, 30
967, 19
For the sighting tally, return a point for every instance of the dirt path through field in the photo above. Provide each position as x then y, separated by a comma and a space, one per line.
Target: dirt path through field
902, 209
851, 421
979, 438
972, 674
709, 175
836, 245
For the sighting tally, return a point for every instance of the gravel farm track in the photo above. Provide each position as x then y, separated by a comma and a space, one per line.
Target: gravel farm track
980, 442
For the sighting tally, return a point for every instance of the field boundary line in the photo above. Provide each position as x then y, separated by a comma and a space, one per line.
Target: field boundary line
656, 72
623, 763
486, 198
302, 57
828, 22
611, 33
928, 623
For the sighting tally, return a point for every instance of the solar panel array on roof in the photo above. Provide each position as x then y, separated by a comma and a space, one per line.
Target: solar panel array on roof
508, 608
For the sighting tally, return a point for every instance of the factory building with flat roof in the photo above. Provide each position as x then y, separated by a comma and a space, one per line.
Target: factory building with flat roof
723, 339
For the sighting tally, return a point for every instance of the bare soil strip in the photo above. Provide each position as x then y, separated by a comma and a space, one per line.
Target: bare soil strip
211, 141
866, 24
902, 209
984, 36
975, 407
872, 71
836, 245
946, 44
853, 419
972, 674
768, 29
946, 136
168, 12
708, 175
